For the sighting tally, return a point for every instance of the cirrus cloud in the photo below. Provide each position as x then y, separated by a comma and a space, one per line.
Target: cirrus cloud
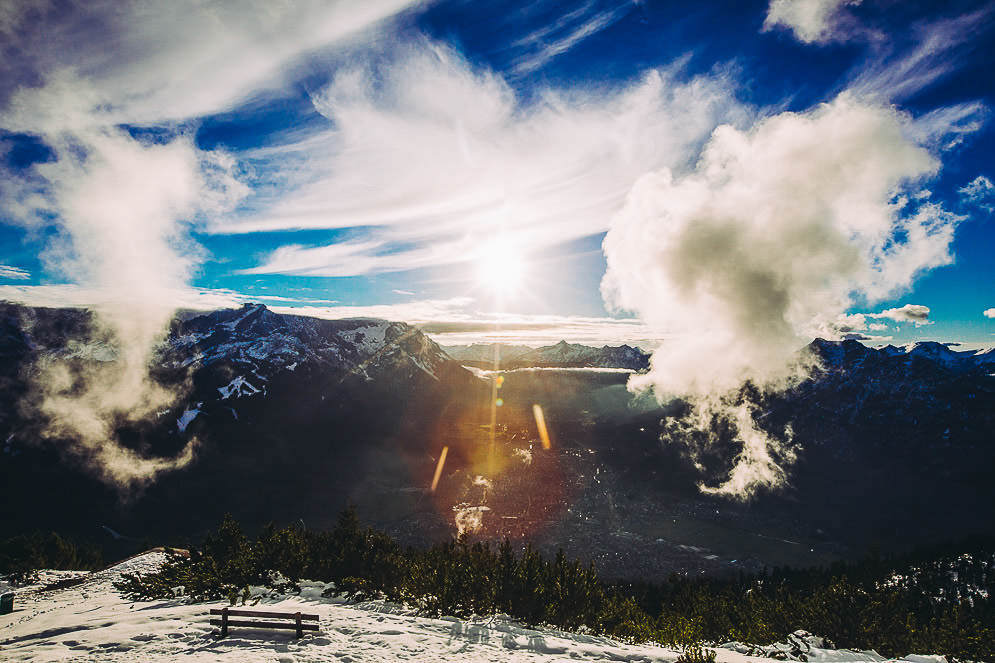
432, 158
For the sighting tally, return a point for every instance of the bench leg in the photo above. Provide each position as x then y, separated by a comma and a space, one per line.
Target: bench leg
300, 629
224, 622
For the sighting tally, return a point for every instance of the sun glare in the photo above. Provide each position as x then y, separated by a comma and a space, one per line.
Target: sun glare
500, 267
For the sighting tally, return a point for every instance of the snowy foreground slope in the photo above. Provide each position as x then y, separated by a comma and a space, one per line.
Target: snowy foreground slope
91, 621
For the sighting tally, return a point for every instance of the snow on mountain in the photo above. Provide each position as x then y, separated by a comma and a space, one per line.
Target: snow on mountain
187, 417
849, 352
238, 387
256, 344
91, 621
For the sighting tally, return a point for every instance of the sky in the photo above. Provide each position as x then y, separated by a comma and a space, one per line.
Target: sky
743, 175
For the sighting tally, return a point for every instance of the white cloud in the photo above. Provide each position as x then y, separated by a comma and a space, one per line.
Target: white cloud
990, 313
121, 204
775, 234
122, 207
434, 158
813, 21
947, 127
771, 236
14, 273
917, 314
980, 192
561, 35
938, 50
979, 188
150, 61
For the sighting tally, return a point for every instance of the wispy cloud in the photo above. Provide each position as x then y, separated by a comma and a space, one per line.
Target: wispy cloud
14, 273
558, 37
937, 49
149, 61
432, 158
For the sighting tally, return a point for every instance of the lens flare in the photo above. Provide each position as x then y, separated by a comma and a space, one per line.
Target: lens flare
541, 425
438, 468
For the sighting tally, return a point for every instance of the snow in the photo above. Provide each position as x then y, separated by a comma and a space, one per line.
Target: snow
187, 417
247, 310
368, 339
238, 387
91, 621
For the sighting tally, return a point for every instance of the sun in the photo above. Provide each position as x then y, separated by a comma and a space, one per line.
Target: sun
500, 267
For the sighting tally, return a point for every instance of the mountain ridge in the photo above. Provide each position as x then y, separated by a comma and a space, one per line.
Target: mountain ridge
559, 355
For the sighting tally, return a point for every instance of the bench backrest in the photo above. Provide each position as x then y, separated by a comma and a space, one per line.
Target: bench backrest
296, 620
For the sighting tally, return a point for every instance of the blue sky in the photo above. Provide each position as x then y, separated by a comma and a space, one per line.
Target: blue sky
767, 171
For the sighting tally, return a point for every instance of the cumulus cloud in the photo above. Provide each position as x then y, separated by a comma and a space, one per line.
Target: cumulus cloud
979, 188
813, 21
433, 157
917, 314
990, 313
775, 234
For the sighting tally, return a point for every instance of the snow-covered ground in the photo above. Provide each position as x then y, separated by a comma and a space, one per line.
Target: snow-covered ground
91, 621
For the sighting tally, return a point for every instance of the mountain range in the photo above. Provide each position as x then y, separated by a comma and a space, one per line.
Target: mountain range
296, 416
560, 355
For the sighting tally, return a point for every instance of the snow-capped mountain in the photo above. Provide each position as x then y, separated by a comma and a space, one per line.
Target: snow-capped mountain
928, 355
295, 416
561, 355
273, 401
263, 342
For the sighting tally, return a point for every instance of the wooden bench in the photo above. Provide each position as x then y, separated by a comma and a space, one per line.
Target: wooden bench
297, 621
